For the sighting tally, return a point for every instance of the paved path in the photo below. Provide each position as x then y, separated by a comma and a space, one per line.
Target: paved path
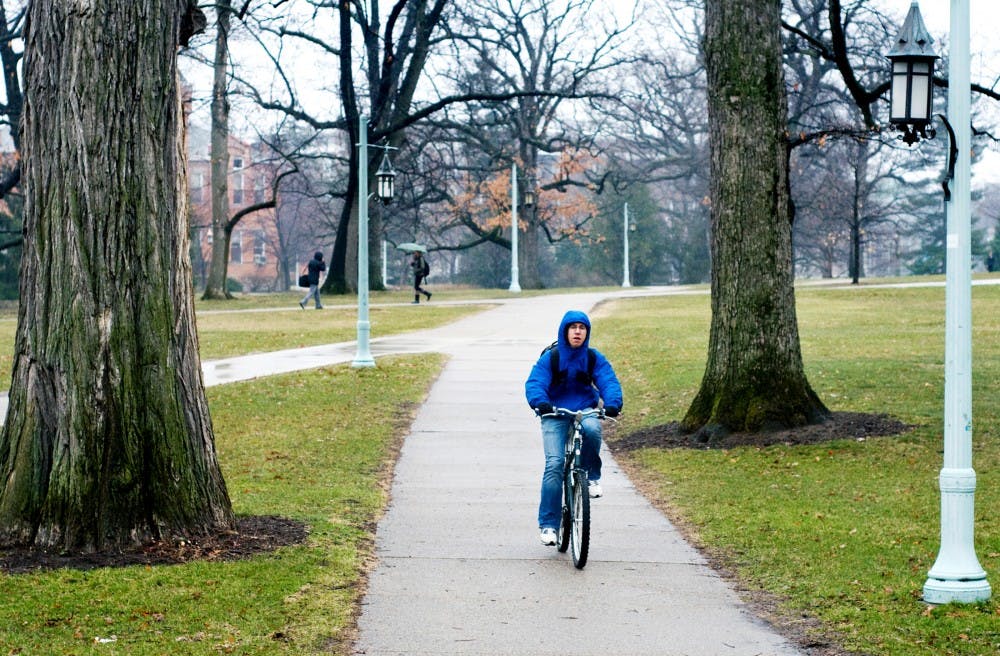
460, 568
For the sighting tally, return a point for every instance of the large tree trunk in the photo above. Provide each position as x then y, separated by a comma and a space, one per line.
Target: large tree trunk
531, 240
216, 287
530, 244
754, 377
338, 275
108, 440
860, 171
395, 61
349, 265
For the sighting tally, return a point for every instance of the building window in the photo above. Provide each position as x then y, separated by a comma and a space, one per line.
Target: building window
237, 163
198, 188
238, 189
259, 249
258, 190
236, 248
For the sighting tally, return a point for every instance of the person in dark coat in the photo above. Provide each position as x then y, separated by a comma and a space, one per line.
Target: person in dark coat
314, 268
420, 271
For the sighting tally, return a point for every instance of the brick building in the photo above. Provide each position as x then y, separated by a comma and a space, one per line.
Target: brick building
254, 247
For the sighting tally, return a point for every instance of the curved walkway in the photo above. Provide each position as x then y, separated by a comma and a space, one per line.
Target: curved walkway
460, 569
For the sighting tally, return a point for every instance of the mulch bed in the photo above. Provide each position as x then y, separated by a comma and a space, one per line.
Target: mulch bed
251, 536
841, 425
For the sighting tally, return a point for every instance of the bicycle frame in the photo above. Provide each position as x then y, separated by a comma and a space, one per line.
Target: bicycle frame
574, 526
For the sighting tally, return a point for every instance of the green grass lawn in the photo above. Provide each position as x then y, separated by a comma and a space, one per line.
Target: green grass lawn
844, 531
226, 334
314, 446
272, 322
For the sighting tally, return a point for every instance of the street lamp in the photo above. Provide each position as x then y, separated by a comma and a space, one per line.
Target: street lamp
384, 190
529, 194
956, 575
910, 96
625, 279
385, 177
515, 285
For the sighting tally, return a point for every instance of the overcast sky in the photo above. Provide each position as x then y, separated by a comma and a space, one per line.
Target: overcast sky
984, 24
985, 48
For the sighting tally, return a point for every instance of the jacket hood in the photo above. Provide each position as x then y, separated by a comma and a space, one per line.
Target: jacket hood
573, 316
573, 360
318, 255
584, 377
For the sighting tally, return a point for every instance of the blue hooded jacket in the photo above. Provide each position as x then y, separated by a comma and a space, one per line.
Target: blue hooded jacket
572, 390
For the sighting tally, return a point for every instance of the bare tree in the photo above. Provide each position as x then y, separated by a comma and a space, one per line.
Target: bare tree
654, 131
305, 212
846, 198
391, 60
554, 57
380, 56
215, 286
224, 222
108, 440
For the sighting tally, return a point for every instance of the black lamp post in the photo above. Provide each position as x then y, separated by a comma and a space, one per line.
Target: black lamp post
911, 91
912, 79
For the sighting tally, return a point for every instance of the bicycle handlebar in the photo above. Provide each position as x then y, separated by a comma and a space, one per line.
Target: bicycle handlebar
566, 412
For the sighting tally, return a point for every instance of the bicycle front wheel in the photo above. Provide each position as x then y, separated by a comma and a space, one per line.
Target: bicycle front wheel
580, 511
565, 528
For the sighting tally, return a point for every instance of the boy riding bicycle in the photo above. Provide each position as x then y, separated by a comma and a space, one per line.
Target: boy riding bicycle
575, 377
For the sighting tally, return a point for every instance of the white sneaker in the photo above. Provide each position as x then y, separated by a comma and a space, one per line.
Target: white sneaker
548, 536
594, 487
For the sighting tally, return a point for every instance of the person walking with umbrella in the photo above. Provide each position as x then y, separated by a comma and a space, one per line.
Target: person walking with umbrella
421, 269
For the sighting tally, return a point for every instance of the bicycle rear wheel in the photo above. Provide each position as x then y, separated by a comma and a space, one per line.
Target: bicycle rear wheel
580, 510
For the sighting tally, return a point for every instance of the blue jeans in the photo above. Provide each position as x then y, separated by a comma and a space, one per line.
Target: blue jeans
313, 292
555, 432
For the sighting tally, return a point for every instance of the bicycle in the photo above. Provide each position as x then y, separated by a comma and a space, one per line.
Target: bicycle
574, 523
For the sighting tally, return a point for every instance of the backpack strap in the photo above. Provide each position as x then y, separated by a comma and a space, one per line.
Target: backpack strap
560, 376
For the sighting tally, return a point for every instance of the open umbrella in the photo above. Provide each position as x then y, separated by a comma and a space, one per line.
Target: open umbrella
411, 247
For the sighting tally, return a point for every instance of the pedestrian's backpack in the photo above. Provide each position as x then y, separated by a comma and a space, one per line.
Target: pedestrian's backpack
426, 269
559, 376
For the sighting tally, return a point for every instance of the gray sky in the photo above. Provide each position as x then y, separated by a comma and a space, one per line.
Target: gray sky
984, 24
984, 45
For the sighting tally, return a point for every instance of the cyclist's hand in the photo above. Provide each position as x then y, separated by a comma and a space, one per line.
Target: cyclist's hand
545, 409
611, 411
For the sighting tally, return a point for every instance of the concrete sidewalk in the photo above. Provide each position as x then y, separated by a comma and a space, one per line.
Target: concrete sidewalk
460, 567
